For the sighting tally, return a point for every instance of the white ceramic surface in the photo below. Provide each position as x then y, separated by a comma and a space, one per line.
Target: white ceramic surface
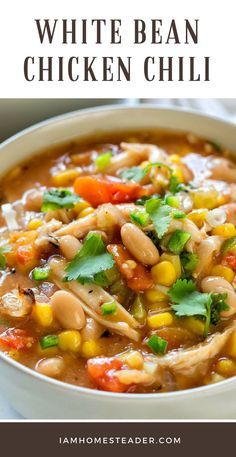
38, 397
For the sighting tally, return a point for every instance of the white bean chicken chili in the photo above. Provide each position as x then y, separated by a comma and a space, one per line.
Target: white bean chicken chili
118, 263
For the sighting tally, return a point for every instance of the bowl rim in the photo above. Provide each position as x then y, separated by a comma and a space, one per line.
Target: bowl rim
195, 391
106, 108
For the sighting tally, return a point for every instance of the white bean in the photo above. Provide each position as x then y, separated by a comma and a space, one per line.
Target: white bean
33, 200
92, 330
139, 245
69, 246
68, 310
52, 366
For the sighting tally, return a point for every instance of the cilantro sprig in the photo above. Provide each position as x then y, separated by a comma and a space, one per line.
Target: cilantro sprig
188, 301
54, 199
161, 214
90, 263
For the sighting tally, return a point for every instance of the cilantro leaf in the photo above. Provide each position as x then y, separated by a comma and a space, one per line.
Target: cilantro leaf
187, 300
180, 289
103, 160
189, 262
90, 263
133, 174
160, 215
58, 198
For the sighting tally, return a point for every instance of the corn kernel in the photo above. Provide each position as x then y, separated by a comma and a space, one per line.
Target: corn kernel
231, 346
225, 272
225, 230
164, 273
86, 212
222, 199
14, 354
69, 340
144, 164
79, 206
175, 158
90, 349
178, 173
213, 379
155, 295
42, 313
226, 367
194, 325
205, 199
198, 217
134, 359
66, 177
131, 264
175, 260
160, 320
34, 224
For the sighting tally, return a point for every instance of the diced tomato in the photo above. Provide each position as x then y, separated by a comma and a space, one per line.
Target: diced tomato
138, 278
25, 254
98, 190
102, 372
16, 338
230, 260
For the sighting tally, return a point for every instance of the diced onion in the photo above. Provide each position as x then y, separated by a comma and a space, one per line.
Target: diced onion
10, 216
216, 217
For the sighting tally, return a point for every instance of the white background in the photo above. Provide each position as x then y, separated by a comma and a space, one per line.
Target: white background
19, 38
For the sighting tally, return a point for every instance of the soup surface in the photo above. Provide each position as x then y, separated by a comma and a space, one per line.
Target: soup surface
118, 261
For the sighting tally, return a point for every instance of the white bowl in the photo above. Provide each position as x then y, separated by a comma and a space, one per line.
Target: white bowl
39, 397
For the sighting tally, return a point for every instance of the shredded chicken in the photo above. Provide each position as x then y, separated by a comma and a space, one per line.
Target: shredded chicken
93, 297
79, 228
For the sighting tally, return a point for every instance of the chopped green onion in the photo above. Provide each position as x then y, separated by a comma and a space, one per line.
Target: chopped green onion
103, 160
178, 240
49, 341
177, 214
108, 308
3, 262
140, 217
142, 200
40, 273
172, 201
228, 244
157, 344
